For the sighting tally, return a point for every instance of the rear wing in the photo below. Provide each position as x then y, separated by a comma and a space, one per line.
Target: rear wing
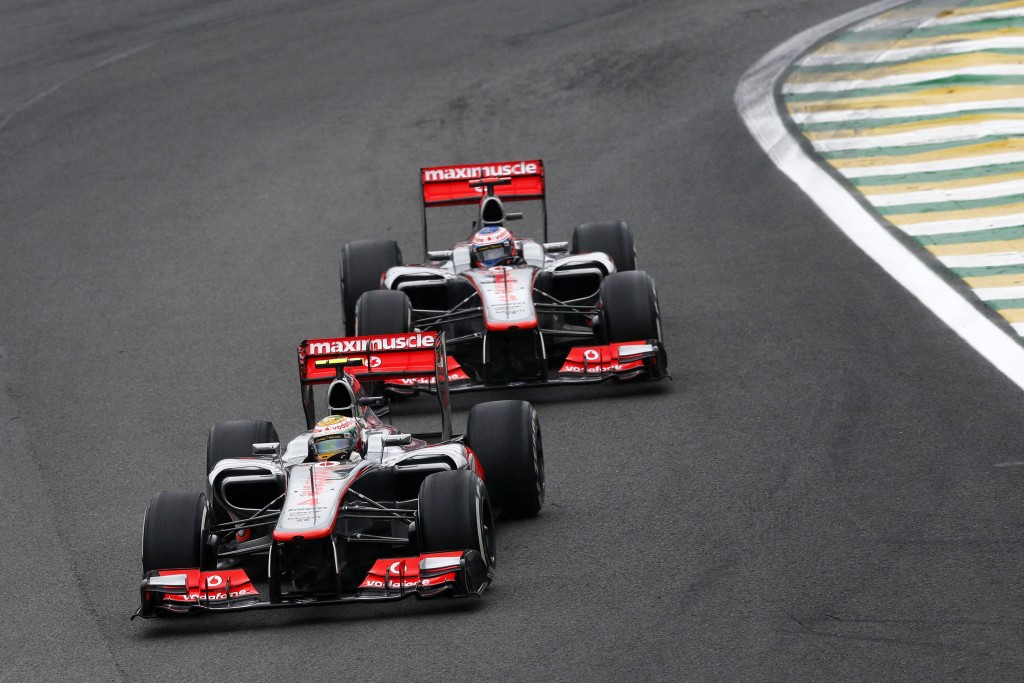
450, 186
415, 356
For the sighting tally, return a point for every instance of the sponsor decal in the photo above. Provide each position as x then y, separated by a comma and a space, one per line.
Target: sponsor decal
405, 573
431, 175
219, 595
396, 574
313, 489
233, 583
596, 361
504, 284
507, 295
457, 375
313, 496
334, 424
409, 583
418, 340
491, 234
611, 367
601, 359
511, 310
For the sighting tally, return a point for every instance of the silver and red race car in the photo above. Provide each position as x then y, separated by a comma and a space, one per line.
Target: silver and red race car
400, 515
516, 312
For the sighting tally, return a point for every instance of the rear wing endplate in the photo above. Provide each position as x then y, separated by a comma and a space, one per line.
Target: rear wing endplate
450, 186
378, 358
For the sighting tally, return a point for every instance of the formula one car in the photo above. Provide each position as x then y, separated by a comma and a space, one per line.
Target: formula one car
516, 312
351, 509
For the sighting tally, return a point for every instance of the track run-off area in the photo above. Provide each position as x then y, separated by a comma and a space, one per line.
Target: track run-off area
920, 109
829, 489
914, 108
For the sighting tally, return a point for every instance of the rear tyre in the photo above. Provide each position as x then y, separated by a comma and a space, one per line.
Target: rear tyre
611, 237
455, 514
629, 307
175, 532
234, 439
383, 311
363, 262
505, 436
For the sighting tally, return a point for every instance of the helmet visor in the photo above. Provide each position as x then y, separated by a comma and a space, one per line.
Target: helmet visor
490, 254
329, 446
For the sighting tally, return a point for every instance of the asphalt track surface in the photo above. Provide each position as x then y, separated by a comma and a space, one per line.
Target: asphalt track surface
829, 490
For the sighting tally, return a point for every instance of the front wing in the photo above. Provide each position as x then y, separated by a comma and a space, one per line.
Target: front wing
168, 592
635, 360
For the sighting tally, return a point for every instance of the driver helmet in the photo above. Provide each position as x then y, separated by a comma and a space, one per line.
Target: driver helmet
493, 245
335, 438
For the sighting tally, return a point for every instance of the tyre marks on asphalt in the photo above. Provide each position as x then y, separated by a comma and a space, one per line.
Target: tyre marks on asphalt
50, 629
921, 109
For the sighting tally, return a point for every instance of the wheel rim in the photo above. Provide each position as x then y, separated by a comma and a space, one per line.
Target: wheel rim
485, 532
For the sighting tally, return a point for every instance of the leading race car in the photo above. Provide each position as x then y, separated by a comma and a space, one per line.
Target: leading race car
351, 509
516, 312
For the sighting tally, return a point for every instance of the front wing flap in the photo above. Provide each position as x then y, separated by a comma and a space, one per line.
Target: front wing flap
622, 360
462, 573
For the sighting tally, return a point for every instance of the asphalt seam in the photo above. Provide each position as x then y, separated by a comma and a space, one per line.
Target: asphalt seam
84, 72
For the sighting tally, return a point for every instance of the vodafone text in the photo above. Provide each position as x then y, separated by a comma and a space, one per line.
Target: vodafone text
613, 367
219, 595
470, 172
411, 583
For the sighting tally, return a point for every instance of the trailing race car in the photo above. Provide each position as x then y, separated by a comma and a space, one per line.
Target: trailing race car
351, 509
515, 311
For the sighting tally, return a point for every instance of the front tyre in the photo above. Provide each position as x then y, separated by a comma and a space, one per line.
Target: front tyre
383, 311
505, 436
629, 307
175, 532
455, 514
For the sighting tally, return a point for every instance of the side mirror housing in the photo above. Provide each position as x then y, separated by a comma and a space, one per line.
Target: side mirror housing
270, 448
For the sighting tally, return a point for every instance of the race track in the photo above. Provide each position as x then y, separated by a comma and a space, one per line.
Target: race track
830, 488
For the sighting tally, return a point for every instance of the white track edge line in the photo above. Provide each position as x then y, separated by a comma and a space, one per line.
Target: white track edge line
755, 100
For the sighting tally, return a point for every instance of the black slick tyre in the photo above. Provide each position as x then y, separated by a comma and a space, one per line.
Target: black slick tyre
455, 514
363, 262
611, 237
234, 439
383, 311
175, 531
629, 307
505, 436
